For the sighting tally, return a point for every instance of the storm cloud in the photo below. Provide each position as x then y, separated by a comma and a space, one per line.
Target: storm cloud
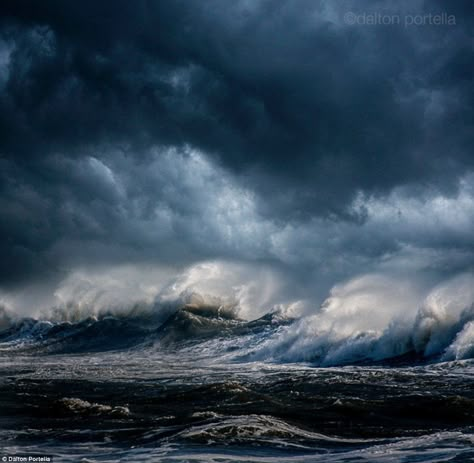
269, 133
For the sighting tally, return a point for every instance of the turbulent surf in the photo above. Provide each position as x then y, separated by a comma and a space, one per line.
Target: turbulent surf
196, 382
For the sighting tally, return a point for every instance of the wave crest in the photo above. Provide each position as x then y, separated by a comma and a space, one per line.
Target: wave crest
442, 328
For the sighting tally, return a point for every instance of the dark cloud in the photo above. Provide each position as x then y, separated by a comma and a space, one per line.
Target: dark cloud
128, 129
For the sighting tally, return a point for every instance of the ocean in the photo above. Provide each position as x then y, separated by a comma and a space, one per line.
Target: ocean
202, 385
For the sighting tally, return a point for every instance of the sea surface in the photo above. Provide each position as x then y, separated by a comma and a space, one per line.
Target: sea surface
201, 386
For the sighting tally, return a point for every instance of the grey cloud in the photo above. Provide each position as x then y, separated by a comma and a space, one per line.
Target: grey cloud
295, 115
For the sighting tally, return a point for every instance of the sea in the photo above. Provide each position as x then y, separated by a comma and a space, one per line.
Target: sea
203, 385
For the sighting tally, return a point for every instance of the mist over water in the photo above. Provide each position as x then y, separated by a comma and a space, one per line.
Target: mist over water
204, 367
369, 318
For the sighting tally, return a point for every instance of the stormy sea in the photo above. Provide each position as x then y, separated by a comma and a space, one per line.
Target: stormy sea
196, 383
236, 231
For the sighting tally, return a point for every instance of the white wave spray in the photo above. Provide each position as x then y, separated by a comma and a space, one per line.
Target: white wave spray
372, 318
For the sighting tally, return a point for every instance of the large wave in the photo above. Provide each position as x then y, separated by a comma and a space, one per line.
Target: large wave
357, 325
368, 319
191, 320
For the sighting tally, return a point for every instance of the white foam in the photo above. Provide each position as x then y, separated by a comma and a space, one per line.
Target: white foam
373, 318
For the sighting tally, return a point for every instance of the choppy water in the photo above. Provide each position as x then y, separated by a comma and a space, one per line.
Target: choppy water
199, 387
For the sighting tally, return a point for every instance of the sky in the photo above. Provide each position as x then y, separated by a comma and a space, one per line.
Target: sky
274, 148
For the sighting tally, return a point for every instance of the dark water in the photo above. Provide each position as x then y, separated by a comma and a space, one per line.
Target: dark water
193, 389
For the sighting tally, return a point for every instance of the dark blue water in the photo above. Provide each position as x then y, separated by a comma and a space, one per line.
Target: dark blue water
201, 386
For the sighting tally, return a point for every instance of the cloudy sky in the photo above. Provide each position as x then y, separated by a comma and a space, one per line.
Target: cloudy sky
267, 137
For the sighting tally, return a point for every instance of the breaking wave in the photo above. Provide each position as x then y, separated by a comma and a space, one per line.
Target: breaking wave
194, 322
354, 328
367, 320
